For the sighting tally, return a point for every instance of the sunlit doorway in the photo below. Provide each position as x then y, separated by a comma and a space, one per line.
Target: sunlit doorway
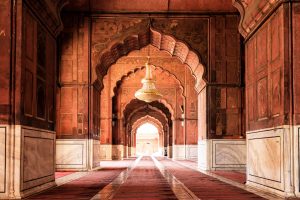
147, 140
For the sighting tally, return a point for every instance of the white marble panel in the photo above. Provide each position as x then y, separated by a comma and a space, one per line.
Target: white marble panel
192, 152
71, 154
296, 159
178, 152
228, 154
38, 150
2, 158
222, 154
117, 152
204, 152
265, 155
105, 151
96, 153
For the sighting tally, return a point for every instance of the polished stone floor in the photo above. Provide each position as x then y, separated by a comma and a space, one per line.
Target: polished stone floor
146, 178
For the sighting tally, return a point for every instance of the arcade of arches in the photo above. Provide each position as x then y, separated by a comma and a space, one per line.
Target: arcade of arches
227, 70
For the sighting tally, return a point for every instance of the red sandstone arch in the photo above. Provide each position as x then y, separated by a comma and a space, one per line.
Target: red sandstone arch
135, 105
162, 101
145, 119
134, 116
162, 41
155, 122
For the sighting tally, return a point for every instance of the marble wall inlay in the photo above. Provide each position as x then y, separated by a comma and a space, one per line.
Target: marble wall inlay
105, 151
266, 158
229, 154
2, 158
222, 154
179, 152
37, 161
192, 152
71, 154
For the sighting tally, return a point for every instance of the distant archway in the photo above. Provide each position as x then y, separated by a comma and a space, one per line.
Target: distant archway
147, 139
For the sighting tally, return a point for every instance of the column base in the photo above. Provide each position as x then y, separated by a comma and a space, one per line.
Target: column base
179, 152
117, 152
192, 152
170, 152
105, 152
71, 154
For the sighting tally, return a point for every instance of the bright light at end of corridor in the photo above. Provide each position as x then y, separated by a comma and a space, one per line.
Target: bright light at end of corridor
147, 128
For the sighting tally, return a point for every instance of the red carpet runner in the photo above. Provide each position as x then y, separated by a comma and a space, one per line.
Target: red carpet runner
145, 182
82, 188
204, 186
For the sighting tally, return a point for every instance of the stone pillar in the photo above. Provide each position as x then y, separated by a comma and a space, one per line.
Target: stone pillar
170, 141
203, 144
220, 100
77, 137
178, 146
118, 147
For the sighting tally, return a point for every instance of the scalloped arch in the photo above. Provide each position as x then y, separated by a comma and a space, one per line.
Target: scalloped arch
138, 104
146, 119
161, 41
136, 111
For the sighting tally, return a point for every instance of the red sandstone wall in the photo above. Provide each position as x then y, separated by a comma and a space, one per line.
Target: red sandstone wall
5, 64
38, 74
267, 95
296, 60
106, 112
73, 92
224, 79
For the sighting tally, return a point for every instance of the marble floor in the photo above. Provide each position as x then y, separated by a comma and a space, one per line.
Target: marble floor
148, 178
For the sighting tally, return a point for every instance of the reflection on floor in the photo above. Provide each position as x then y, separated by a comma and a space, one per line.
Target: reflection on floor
147, 178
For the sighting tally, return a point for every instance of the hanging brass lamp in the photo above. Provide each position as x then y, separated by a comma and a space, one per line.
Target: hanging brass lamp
148, 92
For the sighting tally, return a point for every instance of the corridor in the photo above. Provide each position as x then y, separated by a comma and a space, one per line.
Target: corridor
144, 178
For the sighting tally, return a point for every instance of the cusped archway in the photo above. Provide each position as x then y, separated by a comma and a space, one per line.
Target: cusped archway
156, 123
159, 40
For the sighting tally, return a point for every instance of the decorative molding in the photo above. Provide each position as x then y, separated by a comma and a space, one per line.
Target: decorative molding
253, 13
3, 132
49, 12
